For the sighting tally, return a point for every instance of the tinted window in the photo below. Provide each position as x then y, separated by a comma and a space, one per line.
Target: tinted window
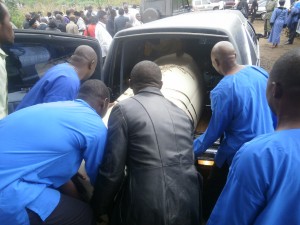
34, 53
26, 63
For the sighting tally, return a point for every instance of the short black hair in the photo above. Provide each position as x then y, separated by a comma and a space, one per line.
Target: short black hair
52, 24
76, 13
146, 74
92, 90
121, 11
101, 14
286, 70
94, 20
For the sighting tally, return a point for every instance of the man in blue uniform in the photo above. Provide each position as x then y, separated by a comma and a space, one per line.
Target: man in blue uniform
42, 147
240, 112
263, 182
62, 82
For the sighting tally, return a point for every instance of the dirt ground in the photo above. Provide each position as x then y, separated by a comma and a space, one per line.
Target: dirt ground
267, 54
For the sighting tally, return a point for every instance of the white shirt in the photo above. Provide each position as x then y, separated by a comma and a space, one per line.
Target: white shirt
3, 85
81, 25
104, 38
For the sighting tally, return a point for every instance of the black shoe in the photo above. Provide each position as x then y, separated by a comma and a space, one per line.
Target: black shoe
288, 43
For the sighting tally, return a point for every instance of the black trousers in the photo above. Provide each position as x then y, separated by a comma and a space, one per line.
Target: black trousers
292, 33
213, 188
253, 15
69, 211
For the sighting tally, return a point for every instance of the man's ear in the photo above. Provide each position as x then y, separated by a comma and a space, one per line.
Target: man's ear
91, 64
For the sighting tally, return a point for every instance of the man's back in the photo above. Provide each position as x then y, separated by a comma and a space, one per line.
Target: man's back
120, 23
46, 144
240, 110
162, 184
60, 83
263, 184
247, 111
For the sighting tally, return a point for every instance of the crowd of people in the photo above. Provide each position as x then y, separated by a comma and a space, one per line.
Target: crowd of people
102, 24
278, 18
142, 165
275, 19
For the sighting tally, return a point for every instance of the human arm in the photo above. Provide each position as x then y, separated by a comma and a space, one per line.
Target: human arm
70, 189
111, 172
273, 17
222, 111
63, 88
243, 196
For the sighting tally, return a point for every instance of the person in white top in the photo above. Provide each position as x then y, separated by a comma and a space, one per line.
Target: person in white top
130, 15
80, 22
6, 36
102, 35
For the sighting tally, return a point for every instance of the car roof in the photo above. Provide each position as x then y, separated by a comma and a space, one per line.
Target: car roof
212, 22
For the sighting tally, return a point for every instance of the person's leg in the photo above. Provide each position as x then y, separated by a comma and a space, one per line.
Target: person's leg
292, 34
68, 211
71, 211
265, 28
212, 190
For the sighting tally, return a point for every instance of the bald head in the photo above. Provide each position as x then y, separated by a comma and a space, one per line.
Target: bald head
145, 74
223, 57
84, 60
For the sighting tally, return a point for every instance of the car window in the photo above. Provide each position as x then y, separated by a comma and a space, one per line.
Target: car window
205, 2
27, 62
33, 54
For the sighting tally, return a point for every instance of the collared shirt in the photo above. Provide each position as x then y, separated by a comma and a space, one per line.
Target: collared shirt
42, 147
263, 183
103, 37
60, 83
239, 111
3, 85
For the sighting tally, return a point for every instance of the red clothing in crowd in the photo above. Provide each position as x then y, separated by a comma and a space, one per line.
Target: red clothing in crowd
90, 30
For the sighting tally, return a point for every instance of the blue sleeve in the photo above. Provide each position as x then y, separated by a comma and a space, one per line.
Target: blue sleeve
243, 195
93, 153
221, 105
273, 17
62, 88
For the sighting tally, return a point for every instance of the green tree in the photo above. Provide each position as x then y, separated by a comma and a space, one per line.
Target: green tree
16, 15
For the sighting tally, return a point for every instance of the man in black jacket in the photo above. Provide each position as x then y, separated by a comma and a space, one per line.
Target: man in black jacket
148, 175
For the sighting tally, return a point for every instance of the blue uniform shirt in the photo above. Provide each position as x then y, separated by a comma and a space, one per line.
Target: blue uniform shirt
239, 111
60, 83
263, 183
41, 148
